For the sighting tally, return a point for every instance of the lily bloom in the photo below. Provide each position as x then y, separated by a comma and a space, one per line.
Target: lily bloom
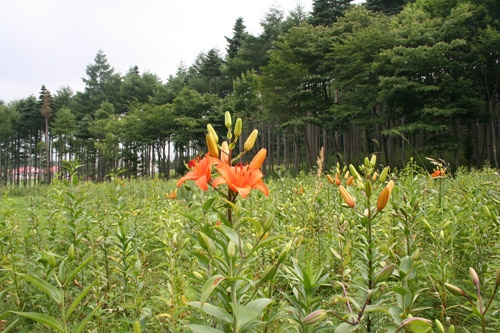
243, 178
437, 173
201, 172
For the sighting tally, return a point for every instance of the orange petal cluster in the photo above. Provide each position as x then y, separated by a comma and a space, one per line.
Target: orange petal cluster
201, 171
241, 178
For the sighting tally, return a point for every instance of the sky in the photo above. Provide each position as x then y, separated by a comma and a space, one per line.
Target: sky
51, 42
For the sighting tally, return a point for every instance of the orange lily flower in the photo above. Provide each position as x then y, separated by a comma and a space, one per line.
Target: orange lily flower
437, 173
243, 178
201, 172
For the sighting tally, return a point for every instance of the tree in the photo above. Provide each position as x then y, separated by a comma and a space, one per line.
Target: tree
389, 7
10, 118
101, 84
63, 126
46, 110
239, 36
327, 12
137, 88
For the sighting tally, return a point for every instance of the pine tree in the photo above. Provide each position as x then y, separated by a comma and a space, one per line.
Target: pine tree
46, 111
327, 12
389, 7
239, 36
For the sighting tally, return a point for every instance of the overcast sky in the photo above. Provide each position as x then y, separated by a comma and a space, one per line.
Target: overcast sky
51, 42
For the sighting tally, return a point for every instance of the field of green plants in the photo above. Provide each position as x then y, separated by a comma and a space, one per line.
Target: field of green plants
146, 256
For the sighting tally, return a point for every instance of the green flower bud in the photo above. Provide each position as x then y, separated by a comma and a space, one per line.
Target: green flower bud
250, 142
383, 175
206, 243
440, 326
284, 253
268, 273
354, 172
368, 188
385, 273
71, 252
455, 290
137, 326
227, 120
231, 250
314, 317
238, 127
373, 161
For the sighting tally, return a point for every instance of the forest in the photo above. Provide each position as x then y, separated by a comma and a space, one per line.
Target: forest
401, 79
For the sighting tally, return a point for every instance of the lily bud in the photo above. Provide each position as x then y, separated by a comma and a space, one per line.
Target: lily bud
250, 142
212, 145
206, 243
354, 172
368, 189
224, 153
227, 120
384, 274
314, 317
346, 196
137, 327
238, 127
383, 198
373, 160
71, 252
284, 253
473, 276
383, 175
455, 290
258, 159
211, 130
390, 185
330, 179
268, 274
231, 250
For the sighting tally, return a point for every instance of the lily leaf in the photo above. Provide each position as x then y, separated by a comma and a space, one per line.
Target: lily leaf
45, 287
42, 318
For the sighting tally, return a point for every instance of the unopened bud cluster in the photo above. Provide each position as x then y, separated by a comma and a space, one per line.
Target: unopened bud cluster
366, 184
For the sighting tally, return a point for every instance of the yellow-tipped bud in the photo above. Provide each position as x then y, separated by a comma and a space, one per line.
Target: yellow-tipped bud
374, 177
224, 153
390, 185
212, 145
211, 130
330, 179
227, 120
238, 127
250, 142
346, 196
373, 161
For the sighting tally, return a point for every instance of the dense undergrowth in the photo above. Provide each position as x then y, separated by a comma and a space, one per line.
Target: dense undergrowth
126, 256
